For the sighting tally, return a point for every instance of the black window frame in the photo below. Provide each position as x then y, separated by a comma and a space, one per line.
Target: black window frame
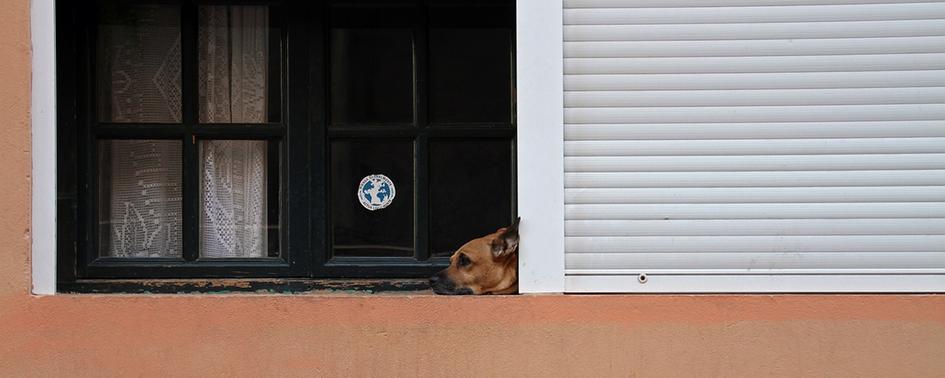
303, 129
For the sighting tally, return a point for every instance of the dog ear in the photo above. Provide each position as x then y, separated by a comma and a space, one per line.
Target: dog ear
507, 242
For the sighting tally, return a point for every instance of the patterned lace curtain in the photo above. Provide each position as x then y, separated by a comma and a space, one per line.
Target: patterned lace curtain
233, 56
140, 180
139, 76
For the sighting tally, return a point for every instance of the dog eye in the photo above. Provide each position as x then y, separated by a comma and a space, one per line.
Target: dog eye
464, 260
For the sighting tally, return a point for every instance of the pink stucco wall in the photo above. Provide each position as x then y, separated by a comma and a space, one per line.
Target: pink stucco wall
425, 335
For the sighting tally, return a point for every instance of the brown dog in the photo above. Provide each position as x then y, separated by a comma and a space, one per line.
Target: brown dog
486, 265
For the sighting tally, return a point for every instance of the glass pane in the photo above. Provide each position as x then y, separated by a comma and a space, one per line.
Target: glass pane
371, 76
470, 191
356, 230
238, 52
238, 201
139, 198
470, 75
138, 64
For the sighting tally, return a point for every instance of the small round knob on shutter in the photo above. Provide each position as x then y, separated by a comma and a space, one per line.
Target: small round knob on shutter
642, 278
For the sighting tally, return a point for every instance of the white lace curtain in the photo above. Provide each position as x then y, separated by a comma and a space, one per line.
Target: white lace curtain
143, 188
233, 54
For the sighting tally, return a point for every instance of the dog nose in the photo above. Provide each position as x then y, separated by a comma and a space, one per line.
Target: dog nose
433, 279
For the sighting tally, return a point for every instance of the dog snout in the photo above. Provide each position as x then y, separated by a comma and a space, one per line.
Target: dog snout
441, 284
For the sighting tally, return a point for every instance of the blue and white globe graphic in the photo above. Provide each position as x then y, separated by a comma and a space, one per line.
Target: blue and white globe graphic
376, 192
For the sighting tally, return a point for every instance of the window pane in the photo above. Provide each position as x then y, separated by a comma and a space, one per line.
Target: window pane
138, 64
371, 76
139, 198
357, 231
470, 75
238, 200
470, 191
238, 52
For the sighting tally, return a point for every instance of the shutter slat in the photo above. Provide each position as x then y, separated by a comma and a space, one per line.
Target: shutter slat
753, 244
754, 227
775, 47
754, 14
802, 80
796, 30
754, 147
726, 3
752, 163
769, 130
755, 195
760, 97
835, 261
755, 64
753, 179
755, 211
743, 114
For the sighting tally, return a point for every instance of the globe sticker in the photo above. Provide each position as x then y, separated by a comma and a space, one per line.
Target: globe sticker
376, 192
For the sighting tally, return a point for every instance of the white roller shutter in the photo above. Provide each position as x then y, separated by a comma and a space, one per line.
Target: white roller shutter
754, 145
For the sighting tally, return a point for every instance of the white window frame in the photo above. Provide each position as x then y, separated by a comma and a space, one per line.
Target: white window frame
43, 113
540, 144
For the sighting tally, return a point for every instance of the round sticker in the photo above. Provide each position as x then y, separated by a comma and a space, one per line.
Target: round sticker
376, 192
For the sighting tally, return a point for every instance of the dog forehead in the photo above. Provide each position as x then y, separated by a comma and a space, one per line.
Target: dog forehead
477, 246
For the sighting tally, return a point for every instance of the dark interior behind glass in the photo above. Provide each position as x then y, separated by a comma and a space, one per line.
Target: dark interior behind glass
469, 190
423, 95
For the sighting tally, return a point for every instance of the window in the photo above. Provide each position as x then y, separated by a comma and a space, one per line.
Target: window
231, 139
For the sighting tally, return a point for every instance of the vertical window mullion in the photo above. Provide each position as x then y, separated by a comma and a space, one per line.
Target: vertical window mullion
88, 245
421, 143
189, 77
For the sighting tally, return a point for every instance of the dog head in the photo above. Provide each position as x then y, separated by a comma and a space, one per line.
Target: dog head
486, 265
